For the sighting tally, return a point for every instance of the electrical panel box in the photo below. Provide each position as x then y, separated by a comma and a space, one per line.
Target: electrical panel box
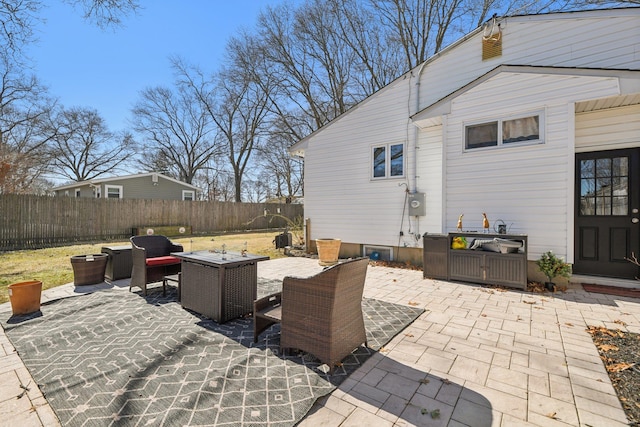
417, 206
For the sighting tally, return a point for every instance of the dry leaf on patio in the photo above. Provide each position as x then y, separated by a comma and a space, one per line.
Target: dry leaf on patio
424, 381
413, 303
620, 322
569, 324
529, 302
608, 347
446, 381
552, 415
409, 335
619, 367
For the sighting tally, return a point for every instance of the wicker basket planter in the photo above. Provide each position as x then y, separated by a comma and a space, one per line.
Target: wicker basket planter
88, 269
25, 296
328, 251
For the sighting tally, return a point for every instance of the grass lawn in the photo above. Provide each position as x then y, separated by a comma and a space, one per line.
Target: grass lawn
52, 266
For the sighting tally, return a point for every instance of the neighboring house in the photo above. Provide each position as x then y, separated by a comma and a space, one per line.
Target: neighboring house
534, 120
140, 186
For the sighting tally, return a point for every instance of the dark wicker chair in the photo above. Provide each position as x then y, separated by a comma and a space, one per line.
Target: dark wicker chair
152, 261
321, 314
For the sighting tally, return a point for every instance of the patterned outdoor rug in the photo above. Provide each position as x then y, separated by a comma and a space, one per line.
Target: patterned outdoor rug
117, 358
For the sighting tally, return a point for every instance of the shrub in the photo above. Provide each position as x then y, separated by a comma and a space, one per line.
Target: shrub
552, 266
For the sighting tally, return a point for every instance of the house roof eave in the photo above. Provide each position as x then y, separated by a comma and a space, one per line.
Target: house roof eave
431, 115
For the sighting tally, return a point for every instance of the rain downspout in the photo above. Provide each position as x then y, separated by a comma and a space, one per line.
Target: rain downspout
413, 184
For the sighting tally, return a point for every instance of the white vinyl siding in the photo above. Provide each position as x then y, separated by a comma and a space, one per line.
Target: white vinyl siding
530, 187
341, 200
430, 165
612, 129
555, 40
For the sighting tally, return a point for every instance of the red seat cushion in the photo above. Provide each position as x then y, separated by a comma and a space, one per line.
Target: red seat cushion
162, 260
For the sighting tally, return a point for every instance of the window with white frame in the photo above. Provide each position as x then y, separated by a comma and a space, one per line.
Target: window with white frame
188, 195
113, 191
504, 132
388, 161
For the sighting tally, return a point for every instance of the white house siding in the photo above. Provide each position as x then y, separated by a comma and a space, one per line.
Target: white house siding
430, 178
341, 200
612, 129
597, 40
530, 187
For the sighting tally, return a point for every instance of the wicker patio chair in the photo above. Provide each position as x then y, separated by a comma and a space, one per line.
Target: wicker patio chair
152, 261
321, 314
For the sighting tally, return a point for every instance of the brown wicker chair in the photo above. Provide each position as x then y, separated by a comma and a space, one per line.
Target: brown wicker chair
152, 261
321, 314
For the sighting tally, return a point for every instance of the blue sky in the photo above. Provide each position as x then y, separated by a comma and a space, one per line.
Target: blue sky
105, 69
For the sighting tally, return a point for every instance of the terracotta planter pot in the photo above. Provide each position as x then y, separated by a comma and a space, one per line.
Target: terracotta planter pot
328, 251
25, 296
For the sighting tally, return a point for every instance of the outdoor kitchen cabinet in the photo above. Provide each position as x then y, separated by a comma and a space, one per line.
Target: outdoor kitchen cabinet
435, 256
485, 267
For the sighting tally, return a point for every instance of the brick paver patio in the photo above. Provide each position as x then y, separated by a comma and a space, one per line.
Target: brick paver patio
477, 357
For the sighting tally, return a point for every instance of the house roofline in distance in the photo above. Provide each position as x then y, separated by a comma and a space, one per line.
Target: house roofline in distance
118, 178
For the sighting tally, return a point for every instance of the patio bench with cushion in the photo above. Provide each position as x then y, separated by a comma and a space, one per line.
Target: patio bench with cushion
321, 314
152, 261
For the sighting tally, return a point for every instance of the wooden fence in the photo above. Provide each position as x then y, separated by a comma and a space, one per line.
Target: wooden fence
29, 222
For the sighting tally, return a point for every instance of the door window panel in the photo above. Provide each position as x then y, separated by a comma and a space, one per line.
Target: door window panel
604, 186
587, 169
621, 166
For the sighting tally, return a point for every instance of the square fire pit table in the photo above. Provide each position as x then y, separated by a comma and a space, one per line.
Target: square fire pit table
219, 286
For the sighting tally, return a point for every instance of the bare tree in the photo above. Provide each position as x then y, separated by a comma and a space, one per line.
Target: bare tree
280, 172
105, 13
376, 60
24, 110
178, 131
83, 148
308, 59
17, 18
237, 104
216, 182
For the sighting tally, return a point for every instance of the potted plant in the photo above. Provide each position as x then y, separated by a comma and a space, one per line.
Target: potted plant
552, 266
